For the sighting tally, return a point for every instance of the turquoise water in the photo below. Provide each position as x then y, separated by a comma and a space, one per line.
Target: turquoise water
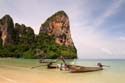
113, 74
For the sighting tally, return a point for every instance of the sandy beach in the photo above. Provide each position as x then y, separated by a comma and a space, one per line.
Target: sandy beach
14, 71
16, 75
11, 74
21, 71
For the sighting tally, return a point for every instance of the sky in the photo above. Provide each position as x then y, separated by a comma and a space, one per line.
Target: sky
97, 26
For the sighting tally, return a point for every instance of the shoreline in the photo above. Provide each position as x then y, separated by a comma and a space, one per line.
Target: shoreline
11, 74
20, 71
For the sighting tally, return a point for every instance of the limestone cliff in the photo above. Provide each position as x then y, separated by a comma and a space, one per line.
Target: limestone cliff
58, 28
58, 25
24, 34
54, 39
7, 32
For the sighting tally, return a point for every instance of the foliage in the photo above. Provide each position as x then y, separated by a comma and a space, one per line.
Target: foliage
28, 45
53, 50
25, 35
29, 54
48, 49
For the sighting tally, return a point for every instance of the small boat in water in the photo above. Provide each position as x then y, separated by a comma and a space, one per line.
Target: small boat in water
51, 66
79, 69
84, 69
46, 61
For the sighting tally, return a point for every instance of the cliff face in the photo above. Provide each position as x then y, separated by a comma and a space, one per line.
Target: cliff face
24, 35
58, 26
54, 39
7, 32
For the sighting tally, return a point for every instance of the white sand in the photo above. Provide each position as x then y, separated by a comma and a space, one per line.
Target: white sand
12, 74
20, 71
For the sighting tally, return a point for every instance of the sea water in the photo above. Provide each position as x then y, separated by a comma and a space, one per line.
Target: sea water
113, 74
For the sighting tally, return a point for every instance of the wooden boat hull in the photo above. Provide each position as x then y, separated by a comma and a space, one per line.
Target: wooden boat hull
52, 67
85, 69
79, 69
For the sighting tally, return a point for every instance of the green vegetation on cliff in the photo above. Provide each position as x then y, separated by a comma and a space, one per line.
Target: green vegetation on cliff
52, 50
20, 41
44, 47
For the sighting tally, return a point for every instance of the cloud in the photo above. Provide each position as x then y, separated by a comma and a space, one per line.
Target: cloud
121, 38
95, 43
112, 9
107, 51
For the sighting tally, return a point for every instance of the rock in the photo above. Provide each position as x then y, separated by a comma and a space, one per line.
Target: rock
0, 39
54, 39
58, 26
24, 35
7, 30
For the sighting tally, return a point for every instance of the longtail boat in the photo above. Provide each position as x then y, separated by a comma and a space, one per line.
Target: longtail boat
84, 69
51, 66
78, 69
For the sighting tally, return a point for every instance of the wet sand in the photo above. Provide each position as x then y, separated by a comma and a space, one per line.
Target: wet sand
12, 74
21, 71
